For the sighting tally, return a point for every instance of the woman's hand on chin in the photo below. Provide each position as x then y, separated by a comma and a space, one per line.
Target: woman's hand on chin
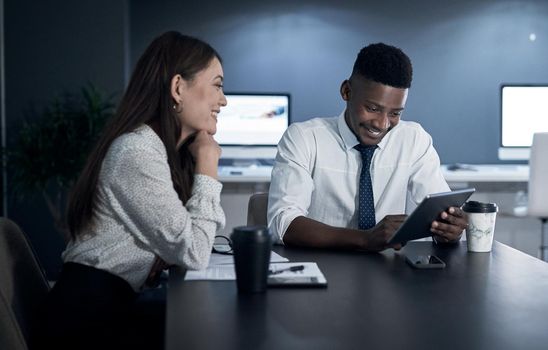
206, 152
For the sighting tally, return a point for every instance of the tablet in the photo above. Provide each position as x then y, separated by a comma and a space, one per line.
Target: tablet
417, 225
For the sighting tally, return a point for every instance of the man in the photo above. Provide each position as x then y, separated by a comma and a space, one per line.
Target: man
345, 182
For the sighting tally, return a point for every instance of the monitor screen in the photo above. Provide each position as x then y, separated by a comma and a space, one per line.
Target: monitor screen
253, 119
524, 111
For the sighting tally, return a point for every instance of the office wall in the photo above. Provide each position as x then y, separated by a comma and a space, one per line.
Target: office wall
461, 51
52, 47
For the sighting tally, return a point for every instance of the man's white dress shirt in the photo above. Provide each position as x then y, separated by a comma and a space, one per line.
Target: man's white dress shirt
317, 173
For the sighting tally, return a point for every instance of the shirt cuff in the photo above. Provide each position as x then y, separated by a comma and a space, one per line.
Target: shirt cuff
286, 220
206, 186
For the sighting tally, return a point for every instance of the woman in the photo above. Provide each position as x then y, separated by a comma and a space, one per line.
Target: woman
147, 198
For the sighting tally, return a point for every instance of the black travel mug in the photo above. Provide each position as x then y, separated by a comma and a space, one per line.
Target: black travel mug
252, 246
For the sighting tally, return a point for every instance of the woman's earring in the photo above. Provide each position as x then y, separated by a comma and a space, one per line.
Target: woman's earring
178, 107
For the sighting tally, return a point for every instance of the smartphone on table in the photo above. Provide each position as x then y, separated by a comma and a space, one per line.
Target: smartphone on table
425, 261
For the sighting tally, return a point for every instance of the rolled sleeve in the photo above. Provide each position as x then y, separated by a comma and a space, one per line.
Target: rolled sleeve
292, 185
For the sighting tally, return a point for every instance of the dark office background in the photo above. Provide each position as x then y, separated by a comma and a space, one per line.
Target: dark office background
461, 51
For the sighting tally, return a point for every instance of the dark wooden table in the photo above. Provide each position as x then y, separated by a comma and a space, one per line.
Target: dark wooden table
495, 300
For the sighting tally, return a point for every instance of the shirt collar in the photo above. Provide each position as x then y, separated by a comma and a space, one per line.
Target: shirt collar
349, 139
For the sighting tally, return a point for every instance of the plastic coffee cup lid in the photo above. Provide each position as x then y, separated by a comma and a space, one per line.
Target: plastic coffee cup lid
250, 232
479, 207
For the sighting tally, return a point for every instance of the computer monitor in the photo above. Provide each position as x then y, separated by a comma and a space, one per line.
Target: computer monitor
524, 111
251, 124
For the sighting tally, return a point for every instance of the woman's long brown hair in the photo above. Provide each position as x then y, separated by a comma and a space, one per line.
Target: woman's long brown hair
147, 100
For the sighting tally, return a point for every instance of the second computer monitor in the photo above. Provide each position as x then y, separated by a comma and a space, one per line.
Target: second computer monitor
523, 112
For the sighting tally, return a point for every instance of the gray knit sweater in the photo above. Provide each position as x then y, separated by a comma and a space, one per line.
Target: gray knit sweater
139, 213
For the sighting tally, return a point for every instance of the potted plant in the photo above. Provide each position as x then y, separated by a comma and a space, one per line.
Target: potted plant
52, 148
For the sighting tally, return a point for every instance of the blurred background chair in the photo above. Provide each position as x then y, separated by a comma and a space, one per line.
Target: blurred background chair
538, 185
256, 209
23, 287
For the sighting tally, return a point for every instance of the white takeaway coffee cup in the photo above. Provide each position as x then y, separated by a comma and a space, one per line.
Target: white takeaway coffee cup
481, 225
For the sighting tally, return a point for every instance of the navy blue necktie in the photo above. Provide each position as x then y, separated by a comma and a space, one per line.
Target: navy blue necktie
366, 207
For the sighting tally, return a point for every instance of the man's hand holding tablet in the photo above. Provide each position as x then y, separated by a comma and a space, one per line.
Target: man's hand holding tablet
438, 214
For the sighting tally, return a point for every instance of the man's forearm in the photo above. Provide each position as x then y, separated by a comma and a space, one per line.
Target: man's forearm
311, 233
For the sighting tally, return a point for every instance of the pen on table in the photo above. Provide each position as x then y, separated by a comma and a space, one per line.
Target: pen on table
291, 268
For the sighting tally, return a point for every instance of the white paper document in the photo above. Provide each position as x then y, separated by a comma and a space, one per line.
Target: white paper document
213, 273
226, 272
223, 259
221, 268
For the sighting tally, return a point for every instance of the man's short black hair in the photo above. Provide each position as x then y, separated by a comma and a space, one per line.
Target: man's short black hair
384, 64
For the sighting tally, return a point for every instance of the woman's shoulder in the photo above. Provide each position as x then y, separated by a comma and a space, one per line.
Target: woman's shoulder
138, 146
142, 139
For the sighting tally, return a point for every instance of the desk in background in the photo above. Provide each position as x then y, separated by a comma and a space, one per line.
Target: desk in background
487, 173
373, 301
257, 174
479, 173
501, 184
497, 183
488, 178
